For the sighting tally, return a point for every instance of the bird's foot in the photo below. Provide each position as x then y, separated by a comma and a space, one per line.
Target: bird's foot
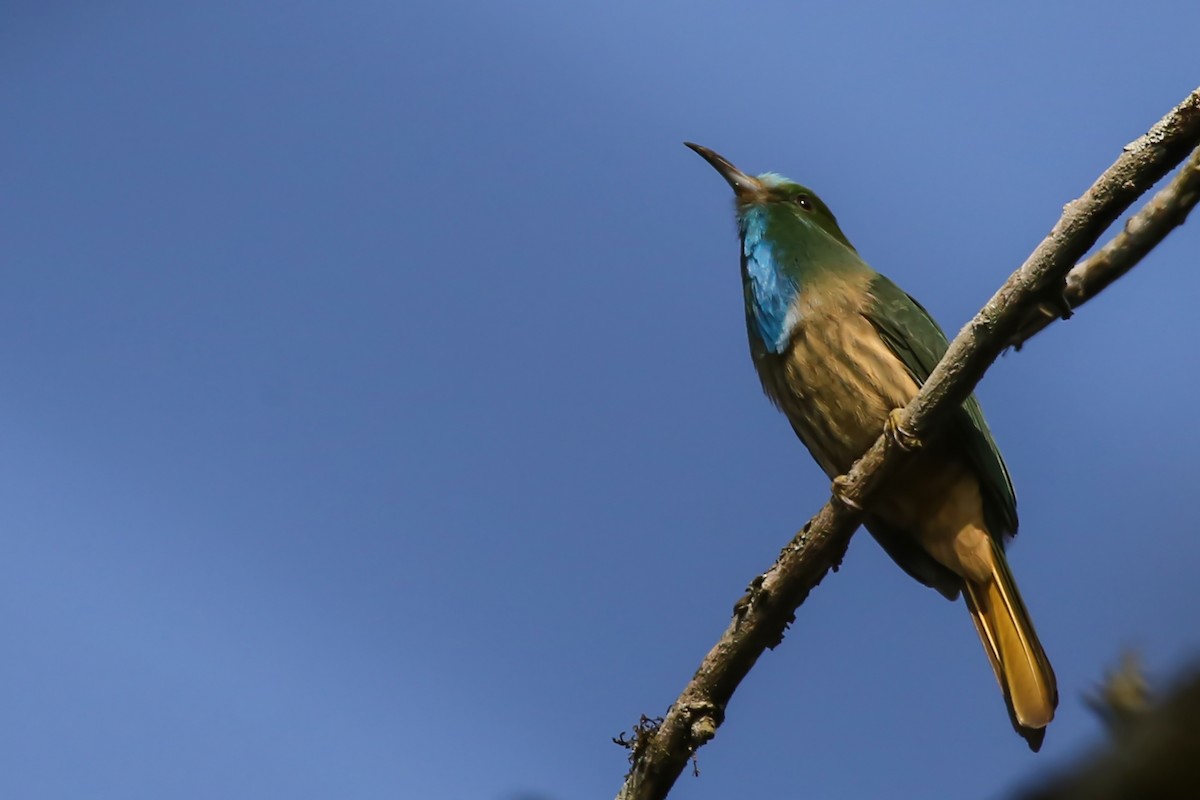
1059, 303
906, 440
841, 489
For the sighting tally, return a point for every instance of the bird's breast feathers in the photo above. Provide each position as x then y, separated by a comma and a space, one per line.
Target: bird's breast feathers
835, 378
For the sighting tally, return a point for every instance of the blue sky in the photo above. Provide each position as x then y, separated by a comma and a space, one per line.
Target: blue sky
378, 420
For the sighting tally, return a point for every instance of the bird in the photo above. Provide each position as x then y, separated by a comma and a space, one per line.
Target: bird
840, 349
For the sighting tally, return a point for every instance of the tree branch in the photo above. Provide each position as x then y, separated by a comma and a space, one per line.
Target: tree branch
659, 755
1165, 212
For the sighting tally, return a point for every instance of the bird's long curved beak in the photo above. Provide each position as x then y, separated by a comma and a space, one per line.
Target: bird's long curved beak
744, 186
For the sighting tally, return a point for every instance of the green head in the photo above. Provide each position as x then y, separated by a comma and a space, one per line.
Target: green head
791, 244
790, 208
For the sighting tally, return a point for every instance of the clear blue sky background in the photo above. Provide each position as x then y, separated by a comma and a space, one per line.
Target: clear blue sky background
377, 415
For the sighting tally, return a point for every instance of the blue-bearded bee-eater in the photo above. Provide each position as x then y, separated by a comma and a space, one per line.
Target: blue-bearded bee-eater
839, 348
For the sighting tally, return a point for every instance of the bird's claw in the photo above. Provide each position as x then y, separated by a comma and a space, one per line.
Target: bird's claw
1058, 304
906, 440
841, 489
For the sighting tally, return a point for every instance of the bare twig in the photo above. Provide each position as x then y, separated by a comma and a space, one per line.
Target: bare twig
761, 617
1165, 212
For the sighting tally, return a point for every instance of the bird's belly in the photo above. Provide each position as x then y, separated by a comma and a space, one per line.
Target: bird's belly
837, 383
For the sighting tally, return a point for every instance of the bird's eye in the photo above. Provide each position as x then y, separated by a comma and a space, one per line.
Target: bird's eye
804, 202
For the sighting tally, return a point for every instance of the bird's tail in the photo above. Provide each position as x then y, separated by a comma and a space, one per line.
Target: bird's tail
1021, 666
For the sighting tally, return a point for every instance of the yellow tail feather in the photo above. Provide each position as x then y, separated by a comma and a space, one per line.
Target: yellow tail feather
1021, 666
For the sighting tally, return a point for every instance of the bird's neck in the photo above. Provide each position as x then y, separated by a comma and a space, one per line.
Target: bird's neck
783, 259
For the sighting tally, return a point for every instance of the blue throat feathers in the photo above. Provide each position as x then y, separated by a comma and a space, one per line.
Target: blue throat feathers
771, 292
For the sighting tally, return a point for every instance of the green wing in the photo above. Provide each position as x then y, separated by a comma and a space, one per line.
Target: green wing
917, 340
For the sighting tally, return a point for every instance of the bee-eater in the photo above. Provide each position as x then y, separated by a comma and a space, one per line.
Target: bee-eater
839, 348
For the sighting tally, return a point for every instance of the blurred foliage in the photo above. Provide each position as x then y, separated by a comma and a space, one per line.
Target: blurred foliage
1153, 752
